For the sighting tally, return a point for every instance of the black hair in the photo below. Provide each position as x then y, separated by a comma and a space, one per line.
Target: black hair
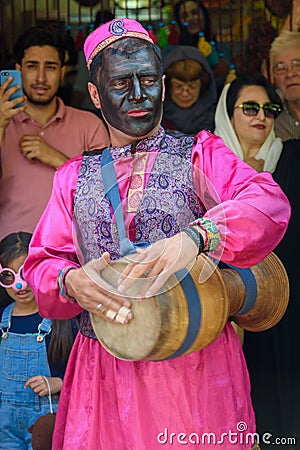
249, 80
14, 245
185, 38
62, 339
11, 247
39, 36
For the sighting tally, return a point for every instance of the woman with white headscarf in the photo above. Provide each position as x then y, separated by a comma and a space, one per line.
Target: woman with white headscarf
244, 119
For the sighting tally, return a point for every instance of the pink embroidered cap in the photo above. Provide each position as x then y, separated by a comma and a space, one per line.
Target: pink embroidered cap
109, 32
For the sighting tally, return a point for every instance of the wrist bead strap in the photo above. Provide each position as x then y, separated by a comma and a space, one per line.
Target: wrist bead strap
61, 283
212, 232
196, 236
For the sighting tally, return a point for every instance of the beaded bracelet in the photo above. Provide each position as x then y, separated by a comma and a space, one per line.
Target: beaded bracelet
61, 283
212, 233
196, 236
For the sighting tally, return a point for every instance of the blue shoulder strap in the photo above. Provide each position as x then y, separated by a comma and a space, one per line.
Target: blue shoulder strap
44, 326
6, 316
110, 183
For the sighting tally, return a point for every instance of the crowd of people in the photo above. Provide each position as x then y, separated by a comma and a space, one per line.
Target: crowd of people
198, 172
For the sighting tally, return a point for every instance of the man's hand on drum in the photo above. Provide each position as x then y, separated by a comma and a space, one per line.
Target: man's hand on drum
95, 295
158, 262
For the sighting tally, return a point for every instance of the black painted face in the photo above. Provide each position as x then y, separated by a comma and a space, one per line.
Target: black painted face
130, 89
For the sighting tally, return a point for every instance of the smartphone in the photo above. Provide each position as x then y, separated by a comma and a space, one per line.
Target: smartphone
17, 80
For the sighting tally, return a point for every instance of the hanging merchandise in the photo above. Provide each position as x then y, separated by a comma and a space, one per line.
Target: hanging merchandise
79, 39
91, 28
162, 36
203, 46
173, 35
173, 38
222, 67
151, 34
213, 57
231, 74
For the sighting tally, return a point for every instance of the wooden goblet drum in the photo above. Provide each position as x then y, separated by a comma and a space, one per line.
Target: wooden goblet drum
193, 307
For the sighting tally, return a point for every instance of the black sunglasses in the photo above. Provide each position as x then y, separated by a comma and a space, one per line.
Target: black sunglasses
271, 110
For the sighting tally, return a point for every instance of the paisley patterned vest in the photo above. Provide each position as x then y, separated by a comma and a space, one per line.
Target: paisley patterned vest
169, 202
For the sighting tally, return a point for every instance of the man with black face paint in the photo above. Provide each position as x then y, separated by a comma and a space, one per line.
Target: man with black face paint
183, 196
130, 96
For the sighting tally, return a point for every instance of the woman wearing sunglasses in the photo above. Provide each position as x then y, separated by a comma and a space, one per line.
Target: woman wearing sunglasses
244, 118
33, 351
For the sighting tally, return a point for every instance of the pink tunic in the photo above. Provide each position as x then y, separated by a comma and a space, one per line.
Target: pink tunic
202, 398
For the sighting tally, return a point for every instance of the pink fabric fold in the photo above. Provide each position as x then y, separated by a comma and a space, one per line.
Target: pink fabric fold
112, 404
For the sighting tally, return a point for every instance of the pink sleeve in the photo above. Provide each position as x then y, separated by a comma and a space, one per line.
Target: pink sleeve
52, 247
250, 209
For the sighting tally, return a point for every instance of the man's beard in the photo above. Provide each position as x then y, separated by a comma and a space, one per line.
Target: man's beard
37, 101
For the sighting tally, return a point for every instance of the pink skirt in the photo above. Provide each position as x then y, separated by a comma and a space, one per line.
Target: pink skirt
201, 400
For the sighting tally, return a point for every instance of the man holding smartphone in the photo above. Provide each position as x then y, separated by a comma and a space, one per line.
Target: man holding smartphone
41, 135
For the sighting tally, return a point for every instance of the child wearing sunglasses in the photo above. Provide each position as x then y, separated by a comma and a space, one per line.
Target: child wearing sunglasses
31, 348
244, 118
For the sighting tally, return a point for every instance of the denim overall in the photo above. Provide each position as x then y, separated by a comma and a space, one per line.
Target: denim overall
21, 356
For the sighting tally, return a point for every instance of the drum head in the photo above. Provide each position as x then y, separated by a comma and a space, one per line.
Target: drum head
131, 341
166, 324
155, 319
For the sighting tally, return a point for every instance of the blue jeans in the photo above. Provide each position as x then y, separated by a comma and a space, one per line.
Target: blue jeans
21, 356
